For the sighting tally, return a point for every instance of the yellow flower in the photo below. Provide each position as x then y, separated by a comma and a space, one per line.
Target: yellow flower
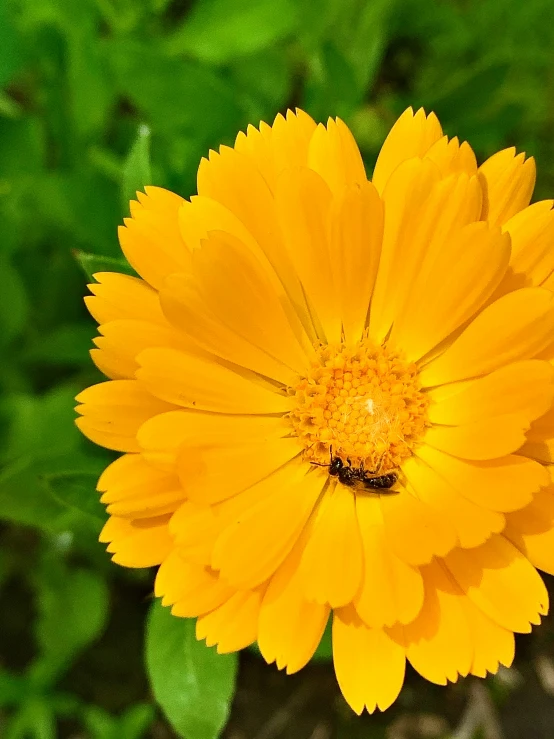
334, 398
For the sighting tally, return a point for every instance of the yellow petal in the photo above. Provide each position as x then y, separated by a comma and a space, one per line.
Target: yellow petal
542, 429
291, 135
334, 155
391, 590
118, 296
233, 180
489, 438
531, 530
253, 546
303, 202
213, 470
522, 387
151, 239
142, 543
195, 529
332, 564
191, 381
461, 279
111, 365
238, 291
492, 645
275, 148
234, 624
508, 182
191, 589
542, 451
415, 531
290, 627
452, 157
501, 582
355, 244
472, 522
257, 145
202, 214
504, 484
369, 665
112, 413
122, 340
532, 235
516, 326
161, 438
411, 136
438, 642
189, 311
424, 216
134, 489
549, 284
405, 198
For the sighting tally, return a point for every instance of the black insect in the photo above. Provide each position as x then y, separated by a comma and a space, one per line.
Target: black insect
381, 482
360, 478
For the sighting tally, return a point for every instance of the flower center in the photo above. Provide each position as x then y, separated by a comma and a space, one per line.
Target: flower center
361, 403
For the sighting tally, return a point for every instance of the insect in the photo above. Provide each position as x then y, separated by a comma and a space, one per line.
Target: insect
358, 477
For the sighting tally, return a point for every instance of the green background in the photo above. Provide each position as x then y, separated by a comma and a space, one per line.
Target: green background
98, 97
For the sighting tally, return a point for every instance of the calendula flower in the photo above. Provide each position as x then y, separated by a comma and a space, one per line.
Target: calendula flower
334, 396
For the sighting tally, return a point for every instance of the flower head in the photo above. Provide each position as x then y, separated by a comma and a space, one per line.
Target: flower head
334, 398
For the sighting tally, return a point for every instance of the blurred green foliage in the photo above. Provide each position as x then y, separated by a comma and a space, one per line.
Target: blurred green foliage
97, 98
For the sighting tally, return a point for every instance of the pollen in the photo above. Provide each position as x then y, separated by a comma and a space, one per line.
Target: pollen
361, 403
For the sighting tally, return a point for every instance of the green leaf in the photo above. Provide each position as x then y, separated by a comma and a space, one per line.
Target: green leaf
25, 499
23, 148
34, 720
87, 73
193, 684
9, 108
179, 97
324, 651
136, 169
332, 88
68, 344
40, 427
64, 704
92, 263
99, 723
77, 490
366, 37
14, 306
220, 30
87, 204
131, 725
10, 46
266, 79
38, 438
73, 609
13, 688
470, 91
135, 721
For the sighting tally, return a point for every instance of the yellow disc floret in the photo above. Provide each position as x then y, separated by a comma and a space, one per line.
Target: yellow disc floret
361, 403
